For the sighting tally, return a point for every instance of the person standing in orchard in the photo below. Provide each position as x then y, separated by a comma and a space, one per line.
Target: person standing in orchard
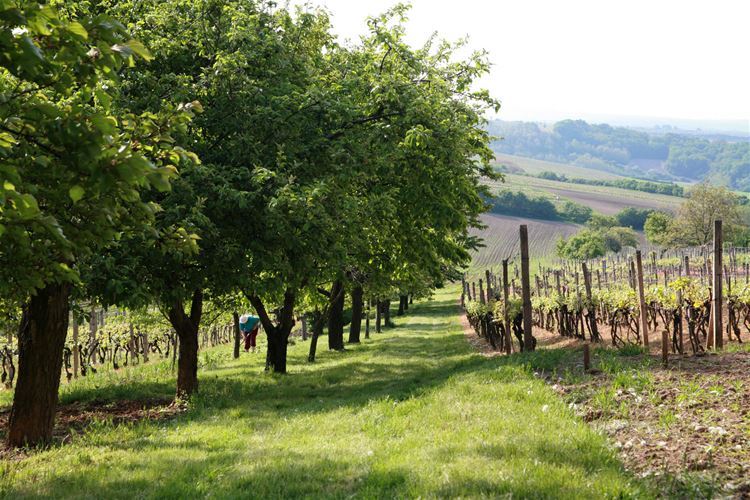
249, 326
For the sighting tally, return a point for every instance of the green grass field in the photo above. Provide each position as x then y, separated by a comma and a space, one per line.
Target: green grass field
414, 412
603, 199
533, 166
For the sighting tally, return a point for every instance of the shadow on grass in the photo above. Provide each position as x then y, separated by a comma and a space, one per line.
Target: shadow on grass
160, 460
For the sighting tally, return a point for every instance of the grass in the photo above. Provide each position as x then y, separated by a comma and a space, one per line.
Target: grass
412, 412
533, 166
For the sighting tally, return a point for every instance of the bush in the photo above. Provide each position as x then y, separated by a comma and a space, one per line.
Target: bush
633, 217
587, 244
519, 204
575, 212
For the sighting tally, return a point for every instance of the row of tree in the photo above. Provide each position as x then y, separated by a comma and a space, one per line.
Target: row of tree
691, 225
167, 153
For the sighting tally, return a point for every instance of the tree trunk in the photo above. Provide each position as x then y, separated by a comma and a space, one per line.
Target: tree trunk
187, 333
367, 319
237, 335
357, 305
277, 335
317, 331
403, 304
378, 316
336, 317
387, 313
44, 326
407, 301
76, 351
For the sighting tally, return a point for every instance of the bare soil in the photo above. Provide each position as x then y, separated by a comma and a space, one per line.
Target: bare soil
688, 428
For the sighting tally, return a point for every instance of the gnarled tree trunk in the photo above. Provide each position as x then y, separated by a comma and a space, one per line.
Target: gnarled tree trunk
187, 333
277, 334
357, 306
44, 326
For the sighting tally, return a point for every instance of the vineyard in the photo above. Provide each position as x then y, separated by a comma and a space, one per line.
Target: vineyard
621, 299
118, 339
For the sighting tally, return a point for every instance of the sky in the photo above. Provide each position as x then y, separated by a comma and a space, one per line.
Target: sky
664, 59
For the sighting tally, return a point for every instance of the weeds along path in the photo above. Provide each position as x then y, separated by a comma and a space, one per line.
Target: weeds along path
411, 412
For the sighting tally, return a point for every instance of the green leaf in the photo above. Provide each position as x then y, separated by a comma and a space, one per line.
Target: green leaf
76, 193
77, 29
139, 49
8, 186
27, 206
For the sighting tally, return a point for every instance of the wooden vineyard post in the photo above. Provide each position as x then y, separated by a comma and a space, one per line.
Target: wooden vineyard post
463, 291
474, 291
506, 318
481, 292
687, 266
664, 348
716, 314
589, 304
526, 289
488, 282
76, 352
680, 310
146, 347
641, 296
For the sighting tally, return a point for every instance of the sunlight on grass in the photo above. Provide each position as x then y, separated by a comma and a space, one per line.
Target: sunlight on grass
412, 412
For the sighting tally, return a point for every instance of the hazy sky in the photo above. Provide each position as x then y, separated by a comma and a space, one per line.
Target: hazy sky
576, 58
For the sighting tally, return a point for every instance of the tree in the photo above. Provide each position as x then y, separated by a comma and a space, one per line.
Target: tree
587, 244
72, 169
616, 238
659, 228
694, 223
575, 212
634, 218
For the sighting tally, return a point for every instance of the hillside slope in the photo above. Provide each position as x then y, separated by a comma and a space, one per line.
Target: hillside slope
414, 412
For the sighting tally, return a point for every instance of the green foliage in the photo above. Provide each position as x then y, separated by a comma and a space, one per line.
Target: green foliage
509, 203
658, 228
575, 212
667, 188
693, 224
68, 155
616, 149
634, 218
586, 244
395, 422
520, 204
616, 238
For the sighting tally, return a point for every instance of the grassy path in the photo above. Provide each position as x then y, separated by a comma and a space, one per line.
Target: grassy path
412, 412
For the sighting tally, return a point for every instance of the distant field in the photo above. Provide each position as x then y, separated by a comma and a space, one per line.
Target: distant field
501, 238
535, 167
603, 199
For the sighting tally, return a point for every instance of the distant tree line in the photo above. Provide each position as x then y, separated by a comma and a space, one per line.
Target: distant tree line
667, 188
614, 149
520, 204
